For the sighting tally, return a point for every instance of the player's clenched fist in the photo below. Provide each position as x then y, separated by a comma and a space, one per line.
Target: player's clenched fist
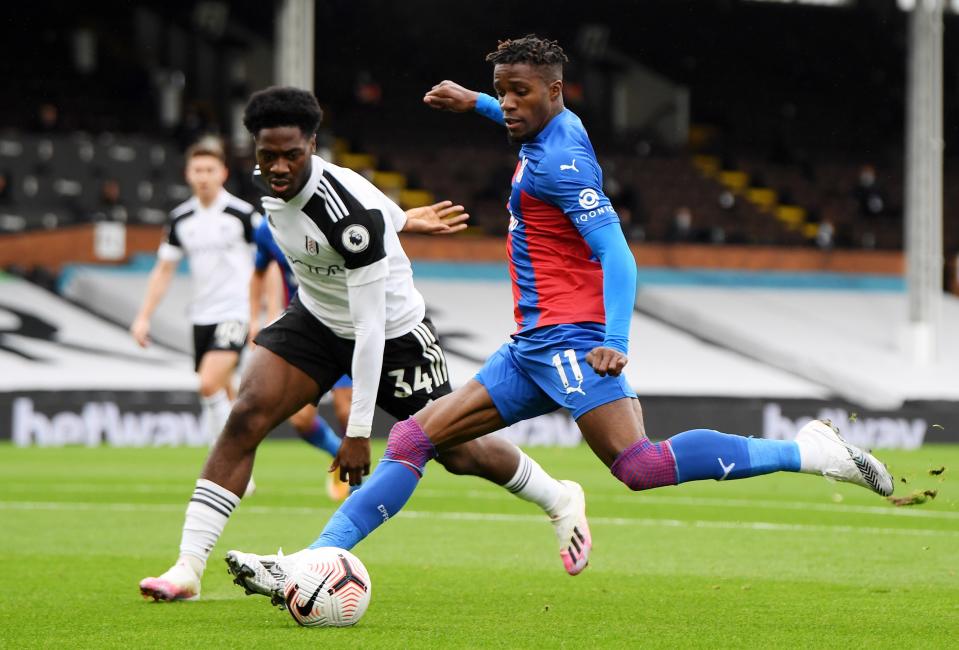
606, 361
450, 96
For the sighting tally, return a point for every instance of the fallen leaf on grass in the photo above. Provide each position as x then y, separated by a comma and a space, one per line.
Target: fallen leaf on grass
937, 472
917, 497
902, 479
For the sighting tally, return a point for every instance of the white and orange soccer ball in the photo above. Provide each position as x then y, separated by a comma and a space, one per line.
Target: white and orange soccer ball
327, 587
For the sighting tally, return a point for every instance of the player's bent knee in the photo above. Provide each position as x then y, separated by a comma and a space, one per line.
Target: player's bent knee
409, 444
645, 465
249, 422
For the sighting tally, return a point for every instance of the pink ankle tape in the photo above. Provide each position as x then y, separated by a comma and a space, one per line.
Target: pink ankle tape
409, 444
645, 465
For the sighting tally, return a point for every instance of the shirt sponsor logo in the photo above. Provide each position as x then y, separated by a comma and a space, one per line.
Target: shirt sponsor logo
356, 238
588, 199
332, 269
586, 216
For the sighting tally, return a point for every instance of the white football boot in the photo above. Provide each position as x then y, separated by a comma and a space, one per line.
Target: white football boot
572, 530
180, 582
258, 574
823, 451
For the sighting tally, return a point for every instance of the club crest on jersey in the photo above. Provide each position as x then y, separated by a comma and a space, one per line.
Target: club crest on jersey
356, 238
311, 246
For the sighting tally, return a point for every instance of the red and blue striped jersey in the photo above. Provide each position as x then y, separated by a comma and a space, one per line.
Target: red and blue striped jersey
557, 198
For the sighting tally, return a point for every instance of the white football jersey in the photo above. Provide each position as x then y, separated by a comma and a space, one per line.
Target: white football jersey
340, 231
218, 243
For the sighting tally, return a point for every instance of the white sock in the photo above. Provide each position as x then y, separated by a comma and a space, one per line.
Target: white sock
206, 515
532, 483
216, 410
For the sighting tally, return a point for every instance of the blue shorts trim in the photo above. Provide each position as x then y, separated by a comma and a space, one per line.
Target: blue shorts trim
545, 369
343, 382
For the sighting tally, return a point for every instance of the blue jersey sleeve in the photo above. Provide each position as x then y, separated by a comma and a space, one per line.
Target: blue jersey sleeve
262, 238
619, 283
488, 107
572, 181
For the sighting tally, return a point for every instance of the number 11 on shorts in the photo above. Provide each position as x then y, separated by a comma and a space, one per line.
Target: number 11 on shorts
570, 355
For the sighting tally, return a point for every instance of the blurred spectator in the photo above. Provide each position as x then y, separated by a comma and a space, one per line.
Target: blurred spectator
110, 204
825, 234
717, 235
48, 118
681, 227
727, 200
368, 90
6, 194
868, 193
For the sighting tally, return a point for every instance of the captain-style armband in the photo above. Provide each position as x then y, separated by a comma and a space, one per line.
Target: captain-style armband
359, 430
488, 107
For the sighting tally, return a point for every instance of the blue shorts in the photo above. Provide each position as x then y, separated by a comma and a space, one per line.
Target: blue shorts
544, 369
343, 382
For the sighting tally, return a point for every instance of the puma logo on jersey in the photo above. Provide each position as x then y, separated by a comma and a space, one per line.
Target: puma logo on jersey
726, 468
572, 166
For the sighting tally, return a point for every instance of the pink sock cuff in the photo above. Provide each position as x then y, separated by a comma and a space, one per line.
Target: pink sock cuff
409, 444
645, 465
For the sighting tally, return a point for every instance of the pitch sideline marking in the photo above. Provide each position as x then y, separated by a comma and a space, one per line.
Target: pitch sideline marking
497, 517
645, 499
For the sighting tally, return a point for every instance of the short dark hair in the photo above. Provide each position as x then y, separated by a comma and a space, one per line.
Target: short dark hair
206, 146
530, 49
282, 106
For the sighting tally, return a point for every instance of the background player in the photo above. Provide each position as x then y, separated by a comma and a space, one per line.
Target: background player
274, 280
214, 230
574, 283
356, 311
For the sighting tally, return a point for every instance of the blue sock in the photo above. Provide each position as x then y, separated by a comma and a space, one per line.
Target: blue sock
322, 436
383, 495
703, 454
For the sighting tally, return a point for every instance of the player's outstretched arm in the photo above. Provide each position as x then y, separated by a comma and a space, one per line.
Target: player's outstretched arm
441, 218
450, 96
157, 287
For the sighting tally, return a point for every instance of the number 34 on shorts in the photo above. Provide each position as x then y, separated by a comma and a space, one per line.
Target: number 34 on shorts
413, 380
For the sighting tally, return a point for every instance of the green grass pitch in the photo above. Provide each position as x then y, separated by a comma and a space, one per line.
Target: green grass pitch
779, 561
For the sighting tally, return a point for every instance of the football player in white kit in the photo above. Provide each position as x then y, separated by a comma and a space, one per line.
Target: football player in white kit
356, 312
214, 230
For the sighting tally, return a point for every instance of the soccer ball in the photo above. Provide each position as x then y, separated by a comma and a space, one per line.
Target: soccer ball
327, 587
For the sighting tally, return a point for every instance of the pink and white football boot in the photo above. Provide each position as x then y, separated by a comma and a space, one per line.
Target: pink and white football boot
180, 582
572, 530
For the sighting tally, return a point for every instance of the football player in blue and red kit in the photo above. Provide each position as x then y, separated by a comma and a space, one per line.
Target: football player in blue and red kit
574, 287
